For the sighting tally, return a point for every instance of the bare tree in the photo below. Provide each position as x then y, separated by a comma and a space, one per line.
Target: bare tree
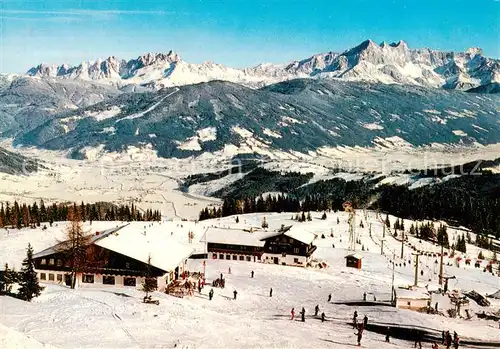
75, 246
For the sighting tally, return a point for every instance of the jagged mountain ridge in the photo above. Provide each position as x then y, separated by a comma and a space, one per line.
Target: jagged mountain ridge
384, 63
302, 115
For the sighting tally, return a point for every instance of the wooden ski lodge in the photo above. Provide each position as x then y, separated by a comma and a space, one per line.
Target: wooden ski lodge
118, 257
286, 246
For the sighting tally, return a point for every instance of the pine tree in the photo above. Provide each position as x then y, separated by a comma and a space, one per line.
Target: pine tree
402, 225
303, 217
9, 278
43, 212
28, 282
264, 223
150, 283
2, 217
387, 221
412, 229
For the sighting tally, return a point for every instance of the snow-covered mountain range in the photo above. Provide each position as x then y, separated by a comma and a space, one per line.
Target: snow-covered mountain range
385, 63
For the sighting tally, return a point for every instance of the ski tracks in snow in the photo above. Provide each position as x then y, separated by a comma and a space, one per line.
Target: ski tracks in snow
153, 107
118, 320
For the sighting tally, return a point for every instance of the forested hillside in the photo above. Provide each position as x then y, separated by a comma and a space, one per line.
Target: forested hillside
469, 200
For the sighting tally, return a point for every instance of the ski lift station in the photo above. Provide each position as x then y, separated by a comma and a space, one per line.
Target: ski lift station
412, 299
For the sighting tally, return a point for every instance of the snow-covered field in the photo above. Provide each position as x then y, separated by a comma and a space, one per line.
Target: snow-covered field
138, 175
115, 317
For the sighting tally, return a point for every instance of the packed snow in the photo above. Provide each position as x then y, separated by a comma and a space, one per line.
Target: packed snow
115, 317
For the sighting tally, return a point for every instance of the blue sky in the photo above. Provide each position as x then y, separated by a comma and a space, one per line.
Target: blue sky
237, 33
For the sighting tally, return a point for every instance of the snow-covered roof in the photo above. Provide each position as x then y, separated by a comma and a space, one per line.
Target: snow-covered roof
93, 238
411, 294
355, 255
296, 233
233, 237
166, 253
495, 295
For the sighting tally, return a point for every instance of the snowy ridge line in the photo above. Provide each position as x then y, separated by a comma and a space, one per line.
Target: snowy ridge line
368, 61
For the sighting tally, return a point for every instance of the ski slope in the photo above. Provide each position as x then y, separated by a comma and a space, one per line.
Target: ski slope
114, 317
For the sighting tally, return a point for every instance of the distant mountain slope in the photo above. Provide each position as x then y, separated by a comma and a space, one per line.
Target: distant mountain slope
299, 115
384, 63
12, 163
27, 102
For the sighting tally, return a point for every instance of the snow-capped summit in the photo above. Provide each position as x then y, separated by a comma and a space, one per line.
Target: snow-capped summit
393, 63
473, 51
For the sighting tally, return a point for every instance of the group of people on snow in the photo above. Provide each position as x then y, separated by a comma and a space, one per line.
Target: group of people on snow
448, 340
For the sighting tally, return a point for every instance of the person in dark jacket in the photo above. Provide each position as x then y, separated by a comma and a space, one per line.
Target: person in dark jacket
355, 320
316, 310
329, 297
360, 335
251, 274
418, 339
449, 340
271, 292
323, 317
303, 315
365, 321
235, 293
456, 340
211, 294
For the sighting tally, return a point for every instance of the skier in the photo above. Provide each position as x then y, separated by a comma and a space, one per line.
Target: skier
329, 297
293, 314
323, 317
456, 340
418, 339
365, 321
355, 320
271, 292
235, 293
364, 296
229, 270
199, 288
252, 274
316, 310
360, 335
221, 276
387, 335
303, 314
211, 294
448, 340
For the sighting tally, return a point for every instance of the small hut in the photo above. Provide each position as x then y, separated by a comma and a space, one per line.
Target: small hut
353, 261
